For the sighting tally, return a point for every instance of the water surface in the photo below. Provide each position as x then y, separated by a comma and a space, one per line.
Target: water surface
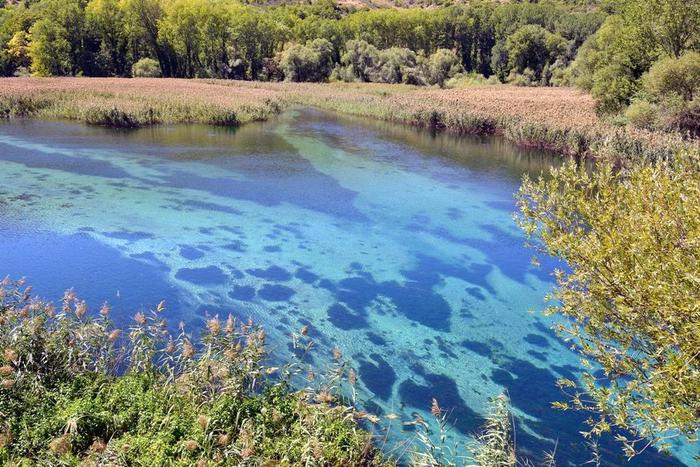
395, 246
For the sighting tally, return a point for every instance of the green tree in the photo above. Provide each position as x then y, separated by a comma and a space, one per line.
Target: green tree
360, 58
631, 294
675, 77
533, 47
673, 24
49, 49
106, 19
443, 65
310, 62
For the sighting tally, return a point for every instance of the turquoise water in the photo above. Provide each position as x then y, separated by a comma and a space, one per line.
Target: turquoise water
395, 246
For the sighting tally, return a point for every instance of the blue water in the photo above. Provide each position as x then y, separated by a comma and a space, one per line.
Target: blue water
395, 246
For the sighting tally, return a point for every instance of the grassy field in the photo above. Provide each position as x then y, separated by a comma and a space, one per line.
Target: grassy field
562, 120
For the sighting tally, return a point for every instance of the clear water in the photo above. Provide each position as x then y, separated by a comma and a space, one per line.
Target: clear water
395, 246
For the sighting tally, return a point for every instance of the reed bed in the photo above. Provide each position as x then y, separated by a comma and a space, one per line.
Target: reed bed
561, 120
135, 102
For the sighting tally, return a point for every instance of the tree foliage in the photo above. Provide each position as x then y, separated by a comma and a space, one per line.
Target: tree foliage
631, 294
226, 39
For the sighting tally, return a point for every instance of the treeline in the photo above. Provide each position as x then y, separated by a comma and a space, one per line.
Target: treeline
646, 55
531, 43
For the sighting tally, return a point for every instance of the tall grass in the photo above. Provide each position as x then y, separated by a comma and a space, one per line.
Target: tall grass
74, 389
554, 119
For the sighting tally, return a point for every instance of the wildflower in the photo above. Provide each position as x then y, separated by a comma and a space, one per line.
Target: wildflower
247, 453
5, 370
5, 438
161, 306
203, 422
324, 397
140, 318
80, 309
68, 298
10, 355
50, 310
223, 439
60, 445
8, 383
352, 377
104, 311
114, 335
188, 350
191, 445
170, 347
305, 330
435, 408
201, 463
337, 355
230, 325
98, 445
214, 326
372, 418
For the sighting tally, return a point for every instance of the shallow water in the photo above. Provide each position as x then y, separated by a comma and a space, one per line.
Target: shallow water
393, 245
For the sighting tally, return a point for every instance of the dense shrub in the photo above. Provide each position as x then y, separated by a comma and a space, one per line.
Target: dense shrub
146, 68
630, 293
310, 62
360, 59
74, 390
674, 76
533, 48
442, 65
642, 114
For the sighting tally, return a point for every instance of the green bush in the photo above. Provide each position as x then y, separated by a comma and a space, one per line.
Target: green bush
443, 65
311, 62
674, 76
642, 114
75, 390
146, 68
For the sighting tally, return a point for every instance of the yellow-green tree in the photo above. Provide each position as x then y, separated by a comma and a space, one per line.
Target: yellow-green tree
631, 240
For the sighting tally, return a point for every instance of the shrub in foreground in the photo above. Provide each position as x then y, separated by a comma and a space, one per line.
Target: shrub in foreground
75, 389
631, 239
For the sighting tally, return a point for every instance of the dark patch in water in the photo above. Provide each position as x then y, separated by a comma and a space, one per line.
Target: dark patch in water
444, 389
272, 248
273, 273
210, 275
236, 245
478, 347
190, 203
538, 355
344, 318
376, 339
242, 292
129, 235
536, 339
275, 293
190, 253
306, 276
379, 377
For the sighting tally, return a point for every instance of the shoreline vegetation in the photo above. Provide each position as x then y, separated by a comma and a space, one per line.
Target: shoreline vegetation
557, 120
75, 389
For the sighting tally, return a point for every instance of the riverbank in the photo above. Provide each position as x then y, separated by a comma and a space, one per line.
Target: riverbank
560, 120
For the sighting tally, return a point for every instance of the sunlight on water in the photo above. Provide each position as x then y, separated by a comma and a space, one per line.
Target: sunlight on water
394, 246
